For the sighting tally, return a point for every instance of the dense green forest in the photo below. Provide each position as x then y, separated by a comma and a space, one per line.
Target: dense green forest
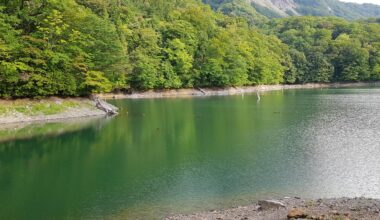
79, 47
330, 49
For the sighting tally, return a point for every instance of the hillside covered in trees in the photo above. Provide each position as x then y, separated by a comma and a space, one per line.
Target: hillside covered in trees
284, 8
79, 47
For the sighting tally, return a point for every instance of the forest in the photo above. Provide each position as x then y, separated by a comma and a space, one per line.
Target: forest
81, 47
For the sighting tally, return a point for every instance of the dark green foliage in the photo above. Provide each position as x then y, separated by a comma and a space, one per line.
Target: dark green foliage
58, 49
329, 49
79, 47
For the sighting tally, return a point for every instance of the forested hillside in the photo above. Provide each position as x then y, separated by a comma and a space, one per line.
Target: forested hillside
79, 47
284, 8
330, 49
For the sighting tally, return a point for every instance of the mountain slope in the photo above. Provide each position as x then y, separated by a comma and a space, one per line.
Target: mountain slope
239, 8
284, 8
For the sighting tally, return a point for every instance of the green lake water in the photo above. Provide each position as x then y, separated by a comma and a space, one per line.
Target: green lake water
163, 156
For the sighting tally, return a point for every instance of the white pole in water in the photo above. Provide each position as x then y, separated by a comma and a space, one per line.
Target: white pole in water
258, 94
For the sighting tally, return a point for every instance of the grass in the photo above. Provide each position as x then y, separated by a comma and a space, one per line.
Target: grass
46, 108
39, 107
3, 110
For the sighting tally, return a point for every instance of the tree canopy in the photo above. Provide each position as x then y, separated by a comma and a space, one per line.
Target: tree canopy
79, 47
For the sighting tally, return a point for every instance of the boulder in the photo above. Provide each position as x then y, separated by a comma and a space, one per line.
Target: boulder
296, 214
270, 204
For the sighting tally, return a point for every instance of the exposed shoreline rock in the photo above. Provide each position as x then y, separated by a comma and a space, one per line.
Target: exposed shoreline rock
270, 204
199, 92
296, 208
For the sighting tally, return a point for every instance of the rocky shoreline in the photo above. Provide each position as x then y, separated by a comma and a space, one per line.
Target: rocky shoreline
199, 92
296, 208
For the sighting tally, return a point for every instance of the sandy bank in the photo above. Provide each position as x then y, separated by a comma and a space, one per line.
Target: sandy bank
50, 109
173, 93
296, 208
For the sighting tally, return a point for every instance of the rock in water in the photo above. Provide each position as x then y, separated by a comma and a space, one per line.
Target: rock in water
270, 204
296, 213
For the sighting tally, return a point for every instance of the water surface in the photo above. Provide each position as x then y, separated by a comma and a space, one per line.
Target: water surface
162, 156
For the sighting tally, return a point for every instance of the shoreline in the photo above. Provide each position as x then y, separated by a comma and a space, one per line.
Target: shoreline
294, 208
85, 107
204, 92
52, 109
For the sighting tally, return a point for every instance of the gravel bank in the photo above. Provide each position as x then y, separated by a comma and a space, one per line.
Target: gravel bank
296, 208
50, 109
173, 93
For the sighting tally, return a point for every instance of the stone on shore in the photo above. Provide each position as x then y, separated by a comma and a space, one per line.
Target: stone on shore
296, 213
270, 204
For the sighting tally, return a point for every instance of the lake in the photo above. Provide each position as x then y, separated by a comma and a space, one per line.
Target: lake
162, 156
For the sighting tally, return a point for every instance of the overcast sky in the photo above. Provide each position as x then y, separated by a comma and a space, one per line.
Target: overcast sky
363, 1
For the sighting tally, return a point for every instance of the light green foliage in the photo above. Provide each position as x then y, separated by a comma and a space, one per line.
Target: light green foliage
52, 29
95, 82
179, 57
237, 57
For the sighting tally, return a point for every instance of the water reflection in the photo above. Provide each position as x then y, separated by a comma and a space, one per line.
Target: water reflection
18, 131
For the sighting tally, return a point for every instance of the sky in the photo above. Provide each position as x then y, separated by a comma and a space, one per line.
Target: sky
363, 1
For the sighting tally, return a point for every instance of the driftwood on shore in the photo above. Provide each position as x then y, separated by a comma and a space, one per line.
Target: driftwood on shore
68, 108
106, 107
202, 91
